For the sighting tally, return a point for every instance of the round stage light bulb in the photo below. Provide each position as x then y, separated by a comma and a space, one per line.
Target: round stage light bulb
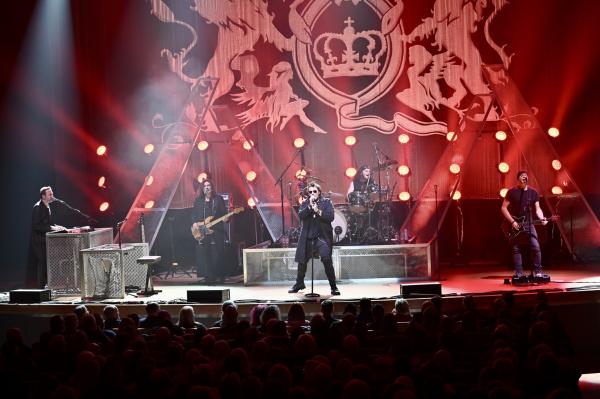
251, 203
203, 145
503, 167
501, 135
456, 196
148, 148
201, 177
248, 144
403, 170
455, 168
251, 176
299, 142
556, 165
503, 192
350, 172
404, 196
557, 190
403, 138
350, 140
149, 204
301, 174
101, 181
101, 150
149, 180
553, 132
451, 136
104, 206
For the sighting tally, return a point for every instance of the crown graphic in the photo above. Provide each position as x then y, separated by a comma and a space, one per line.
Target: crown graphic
349, 53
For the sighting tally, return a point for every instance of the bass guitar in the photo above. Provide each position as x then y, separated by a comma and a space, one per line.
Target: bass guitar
511, 233
203, 228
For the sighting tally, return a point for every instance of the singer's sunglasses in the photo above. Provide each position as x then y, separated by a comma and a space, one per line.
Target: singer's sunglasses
312, 191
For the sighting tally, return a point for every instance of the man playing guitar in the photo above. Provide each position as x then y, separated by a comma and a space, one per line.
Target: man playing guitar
517, 208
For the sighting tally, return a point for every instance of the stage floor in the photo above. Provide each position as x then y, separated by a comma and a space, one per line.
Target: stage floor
455, 281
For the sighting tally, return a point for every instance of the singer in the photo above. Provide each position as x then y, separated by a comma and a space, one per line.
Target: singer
41, 223
316, 236
517, 208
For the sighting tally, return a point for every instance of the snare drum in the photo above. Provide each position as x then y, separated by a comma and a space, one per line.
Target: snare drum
358, 201
339, 225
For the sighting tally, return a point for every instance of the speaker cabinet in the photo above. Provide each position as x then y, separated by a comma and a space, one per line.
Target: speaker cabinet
420, 290
29, 296
208, 296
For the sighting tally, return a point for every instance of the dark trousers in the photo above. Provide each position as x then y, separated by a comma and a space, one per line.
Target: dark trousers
37, 273
531, 240
210, 261
317, 246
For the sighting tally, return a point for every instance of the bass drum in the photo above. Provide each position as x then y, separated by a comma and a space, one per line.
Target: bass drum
339, 225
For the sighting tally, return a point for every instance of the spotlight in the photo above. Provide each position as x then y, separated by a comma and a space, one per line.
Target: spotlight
455, 168
104, 206
251, 203
557, 190
101, 150
456, 196
556, 165
149, 204
403, 170
350, 140
251, 176
553, 132
148, 148
503, 192
403, 138
404, 196
149, 180
203, 145
301, 174
501, 135
248, 144
299, 142
451, 136
102, 182
351, 172
201, 177
503, 167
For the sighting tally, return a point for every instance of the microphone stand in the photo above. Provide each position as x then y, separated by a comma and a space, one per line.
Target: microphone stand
87, 217
119, 225
280, 182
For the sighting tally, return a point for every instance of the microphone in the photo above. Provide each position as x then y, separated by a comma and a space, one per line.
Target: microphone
119, 224
58, 200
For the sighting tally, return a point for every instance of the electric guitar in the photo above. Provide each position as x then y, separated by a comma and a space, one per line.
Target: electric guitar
511, 233
202, 229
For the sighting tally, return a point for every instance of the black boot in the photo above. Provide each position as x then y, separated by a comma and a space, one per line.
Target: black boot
328, 264
299, 279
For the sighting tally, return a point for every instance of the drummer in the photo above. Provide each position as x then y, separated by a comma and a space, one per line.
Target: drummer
362, 182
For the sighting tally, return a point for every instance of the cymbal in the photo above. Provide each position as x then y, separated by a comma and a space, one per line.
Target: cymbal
385, 165
315, 178
333, 194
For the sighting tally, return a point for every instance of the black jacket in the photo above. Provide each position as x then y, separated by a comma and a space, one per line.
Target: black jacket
305, 213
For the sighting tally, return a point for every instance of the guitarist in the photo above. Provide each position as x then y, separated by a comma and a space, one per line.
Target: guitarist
211, 249
517, 208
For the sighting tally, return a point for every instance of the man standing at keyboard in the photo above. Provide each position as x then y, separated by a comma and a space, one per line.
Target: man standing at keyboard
41, 223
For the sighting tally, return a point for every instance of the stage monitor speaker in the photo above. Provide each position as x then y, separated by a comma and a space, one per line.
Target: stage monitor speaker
208, 296
29, 296
420, 290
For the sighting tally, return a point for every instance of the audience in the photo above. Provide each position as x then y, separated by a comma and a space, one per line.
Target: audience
504, 352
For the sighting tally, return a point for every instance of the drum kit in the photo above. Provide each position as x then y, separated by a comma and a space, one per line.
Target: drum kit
366, 216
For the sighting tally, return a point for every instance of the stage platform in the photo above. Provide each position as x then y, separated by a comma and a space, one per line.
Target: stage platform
480, 280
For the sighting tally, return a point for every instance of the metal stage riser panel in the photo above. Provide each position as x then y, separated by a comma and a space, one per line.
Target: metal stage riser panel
403, 262
64, 266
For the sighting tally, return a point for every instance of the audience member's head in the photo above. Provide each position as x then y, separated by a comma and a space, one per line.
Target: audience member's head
255, 314
296, 313
270, 312
187, 318
80, 311
152, 309
111, 312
